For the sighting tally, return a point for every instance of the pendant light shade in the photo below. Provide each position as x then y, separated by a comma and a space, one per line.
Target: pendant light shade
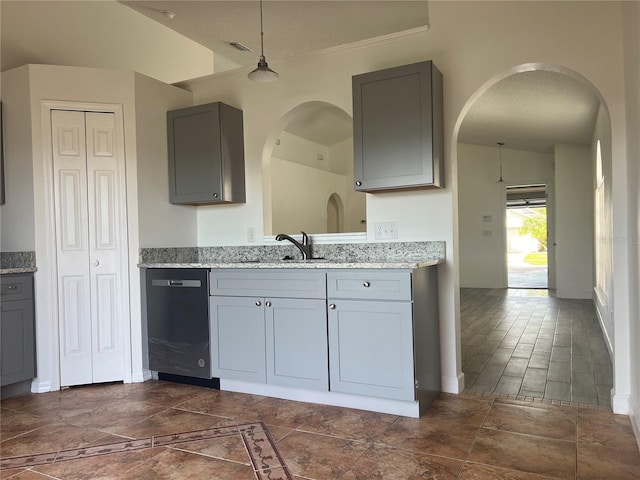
262, 73
500, 180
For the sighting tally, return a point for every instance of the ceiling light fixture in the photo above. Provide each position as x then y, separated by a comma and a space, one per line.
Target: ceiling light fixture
263, 73
500, 180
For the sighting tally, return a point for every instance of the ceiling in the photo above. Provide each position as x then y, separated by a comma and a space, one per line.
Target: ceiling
529, 111
291, 28
532, 111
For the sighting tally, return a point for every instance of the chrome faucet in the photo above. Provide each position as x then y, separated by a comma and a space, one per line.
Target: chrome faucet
304, 247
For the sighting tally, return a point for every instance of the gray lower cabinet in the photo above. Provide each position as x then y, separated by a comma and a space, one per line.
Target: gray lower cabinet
238, 338
297, 343
384, 334
272, 339
206, 155
17, 333
398, 128
371, 348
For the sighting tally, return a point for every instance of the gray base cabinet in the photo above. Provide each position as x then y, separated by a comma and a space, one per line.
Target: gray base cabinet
238, 338
384, 335
398, 128
297, 343
17, 329
272, 339
206, 155
371, 348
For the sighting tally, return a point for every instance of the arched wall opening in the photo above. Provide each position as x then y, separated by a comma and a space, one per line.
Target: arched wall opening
600, 232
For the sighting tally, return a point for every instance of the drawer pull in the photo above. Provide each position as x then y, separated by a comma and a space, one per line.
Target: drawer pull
268, 304
366, 284
332, 306
258, 303
12, 287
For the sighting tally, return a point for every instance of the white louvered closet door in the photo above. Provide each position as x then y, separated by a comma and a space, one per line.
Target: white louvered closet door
89, 247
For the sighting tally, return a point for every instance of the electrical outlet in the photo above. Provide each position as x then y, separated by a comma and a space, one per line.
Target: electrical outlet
386, 230
251, 234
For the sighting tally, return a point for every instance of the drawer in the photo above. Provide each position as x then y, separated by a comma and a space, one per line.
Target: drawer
370, 285
268, 283
16, 287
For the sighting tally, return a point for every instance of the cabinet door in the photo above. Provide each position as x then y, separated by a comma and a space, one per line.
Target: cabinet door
206, 154
297, 343
371, 348
18, 342
397, 128
238, 338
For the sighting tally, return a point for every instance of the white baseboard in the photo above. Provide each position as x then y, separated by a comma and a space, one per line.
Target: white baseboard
142, 376
452, 384
38, 386
620, 404
336, 399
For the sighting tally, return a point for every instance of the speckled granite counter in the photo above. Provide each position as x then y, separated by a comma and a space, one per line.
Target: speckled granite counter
403, 255
17, 262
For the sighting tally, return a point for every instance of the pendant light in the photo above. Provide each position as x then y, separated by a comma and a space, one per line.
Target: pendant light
500, 180
263, 73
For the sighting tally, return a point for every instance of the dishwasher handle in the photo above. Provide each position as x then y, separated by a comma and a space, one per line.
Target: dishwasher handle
176, 283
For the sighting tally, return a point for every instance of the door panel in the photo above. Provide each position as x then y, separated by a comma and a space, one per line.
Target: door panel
105, 248
72, 238
90, 246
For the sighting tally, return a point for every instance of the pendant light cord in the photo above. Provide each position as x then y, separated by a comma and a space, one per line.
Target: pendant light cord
261, 33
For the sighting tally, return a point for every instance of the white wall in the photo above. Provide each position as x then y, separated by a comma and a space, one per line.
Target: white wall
574, 222
160, 223
103, 34
17, 225
474, 44
483, 258
299, 196
631, 12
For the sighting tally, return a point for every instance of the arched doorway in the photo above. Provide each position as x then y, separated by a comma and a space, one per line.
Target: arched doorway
335, 214
532, 110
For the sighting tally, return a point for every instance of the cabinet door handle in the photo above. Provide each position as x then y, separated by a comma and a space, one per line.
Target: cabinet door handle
215, 195
11, 287
258, 303
366, 284
332, 306
268, 304
359, 183
95, 263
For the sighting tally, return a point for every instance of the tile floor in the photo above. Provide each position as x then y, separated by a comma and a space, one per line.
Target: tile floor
141, 431
529, 343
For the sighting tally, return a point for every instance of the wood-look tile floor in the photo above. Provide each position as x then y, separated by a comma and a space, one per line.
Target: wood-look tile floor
529, 343
161, 430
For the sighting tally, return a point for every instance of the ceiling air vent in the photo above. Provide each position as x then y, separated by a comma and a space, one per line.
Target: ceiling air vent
241, 47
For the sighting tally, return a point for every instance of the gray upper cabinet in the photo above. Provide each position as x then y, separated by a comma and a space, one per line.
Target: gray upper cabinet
206, 155
397, 128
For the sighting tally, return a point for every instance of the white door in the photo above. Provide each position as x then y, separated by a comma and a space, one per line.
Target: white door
90, 246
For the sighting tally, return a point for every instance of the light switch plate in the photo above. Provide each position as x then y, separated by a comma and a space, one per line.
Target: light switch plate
386, 230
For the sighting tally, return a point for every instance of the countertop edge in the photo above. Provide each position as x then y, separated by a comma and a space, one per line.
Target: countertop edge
407, 264
12, 271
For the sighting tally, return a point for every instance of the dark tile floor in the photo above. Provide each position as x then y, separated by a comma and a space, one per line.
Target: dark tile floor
461, 437
531, 344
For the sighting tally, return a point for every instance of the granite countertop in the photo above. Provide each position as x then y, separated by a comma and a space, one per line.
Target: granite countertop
389, 255
17, 262
10, 271
309, 264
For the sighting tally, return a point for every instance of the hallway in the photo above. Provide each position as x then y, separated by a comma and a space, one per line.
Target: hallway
528, 343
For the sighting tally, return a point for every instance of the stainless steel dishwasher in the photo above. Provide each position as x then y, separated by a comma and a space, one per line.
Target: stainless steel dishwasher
177, 314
